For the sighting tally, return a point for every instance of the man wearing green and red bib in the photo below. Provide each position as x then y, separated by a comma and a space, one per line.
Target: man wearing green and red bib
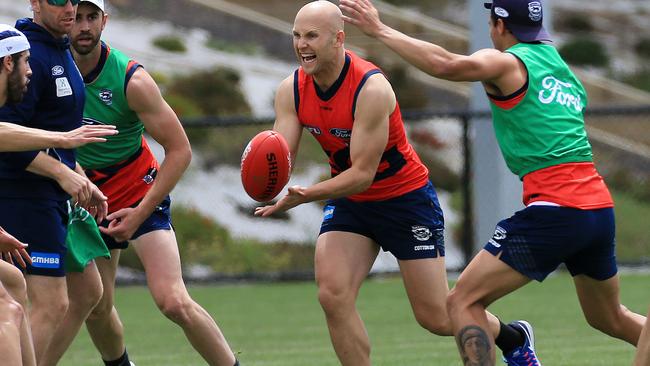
120, 92
537, 106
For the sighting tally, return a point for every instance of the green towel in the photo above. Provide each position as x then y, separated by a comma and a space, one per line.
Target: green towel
84, 241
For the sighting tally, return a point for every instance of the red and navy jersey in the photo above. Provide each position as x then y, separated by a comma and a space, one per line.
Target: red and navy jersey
329, 116
127, 182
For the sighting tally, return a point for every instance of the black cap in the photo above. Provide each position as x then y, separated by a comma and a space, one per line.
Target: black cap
522, 17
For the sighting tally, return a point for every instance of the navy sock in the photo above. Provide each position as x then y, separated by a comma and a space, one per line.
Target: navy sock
122, 361
509, 338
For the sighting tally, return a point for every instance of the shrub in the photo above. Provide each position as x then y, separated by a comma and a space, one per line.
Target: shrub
211, 92
215, 91
201, 240
643, 48
170, 43
183, 106
584, 52
639, 80
231, 47
574, 23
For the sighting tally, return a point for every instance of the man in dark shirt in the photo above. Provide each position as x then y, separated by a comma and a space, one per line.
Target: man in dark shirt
36, 185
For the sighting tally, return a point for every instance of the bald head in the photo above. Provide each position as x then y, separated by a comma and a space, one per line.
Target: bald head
321, 12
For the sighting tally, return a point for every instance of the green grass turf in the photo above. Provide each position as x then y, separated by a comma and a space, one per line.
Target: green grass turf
282, 324
632, 214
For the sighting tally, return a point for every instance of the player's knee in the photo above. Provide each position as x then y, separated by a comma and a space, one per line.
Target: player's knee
434, 320
52, 309
601, 324
89, 301
102, 309
456, 301
609, 324
334, 299
11, 311
176, 308
14, 282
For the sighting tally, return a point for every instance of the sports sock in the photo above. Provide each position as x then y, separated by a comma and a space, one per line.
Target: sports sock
122, 361
236, 362
509, 338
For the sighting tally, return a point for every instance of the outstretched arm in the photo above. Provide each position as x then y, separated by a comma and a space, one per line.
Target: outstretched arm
367, 144
163, 125
14, 137
485, 65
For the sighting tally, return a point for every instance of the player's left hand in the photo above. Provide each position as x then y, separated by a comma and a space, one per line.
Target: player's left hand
294, 197
12, 249
123, 224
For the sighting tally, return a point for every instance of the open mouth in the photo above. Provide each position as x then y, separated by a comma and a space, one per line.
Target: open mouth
308, 58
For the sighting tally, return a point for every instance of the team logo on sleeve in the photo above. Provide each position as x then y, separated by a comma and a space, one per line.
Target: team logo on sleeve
106, 96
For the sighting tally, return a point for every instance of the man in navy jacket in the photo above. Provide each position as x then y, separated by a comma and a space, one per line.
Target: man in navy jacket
36, 185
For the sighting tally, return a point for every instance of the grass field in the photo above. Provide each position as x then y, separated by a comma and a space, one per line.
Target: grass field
282, 325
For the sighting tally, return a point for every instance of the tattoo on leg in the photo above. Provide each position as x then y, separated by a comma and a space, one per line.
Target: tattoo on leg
474, 346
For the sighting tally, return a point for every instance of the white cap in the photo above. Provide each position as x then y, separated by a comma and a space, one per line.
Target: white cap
12, 41
97, 3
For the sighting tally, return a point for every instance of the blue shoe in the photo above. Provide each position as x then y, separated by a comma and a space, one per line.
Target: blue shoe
523, 355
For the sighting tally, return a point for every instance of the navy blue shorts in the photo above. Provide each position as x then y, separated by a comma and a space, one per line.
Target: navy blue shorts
537, 239
43, 225
409, 226
160, 219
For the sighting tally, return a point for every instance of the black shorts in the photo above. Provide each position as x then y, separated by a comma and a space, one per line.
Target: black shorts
535, 240
410, 226
42, 224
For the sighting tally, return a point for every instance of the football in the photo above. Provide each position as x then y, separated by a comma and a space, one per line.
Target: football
265, 166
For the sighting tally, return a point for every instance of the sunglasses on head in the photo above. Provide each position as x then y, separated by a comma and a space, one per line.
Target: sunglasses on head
63, 2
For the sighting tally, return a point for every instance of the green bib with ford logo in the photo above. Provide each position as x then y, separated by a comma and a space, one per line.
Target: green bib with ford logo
546, 127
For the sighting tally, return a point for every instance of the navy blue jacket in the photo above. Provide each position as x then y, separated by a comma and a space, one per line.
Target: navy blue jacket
54, 101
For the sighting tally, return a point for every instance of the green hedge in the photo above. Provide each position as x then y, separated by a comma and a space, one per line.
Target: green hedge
170, 43
584, 52
642, 48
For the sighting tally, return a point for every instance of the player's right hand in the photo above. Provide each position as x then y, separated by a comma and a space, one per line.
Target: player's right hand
85, 135
295, 196
83, 192
12, 249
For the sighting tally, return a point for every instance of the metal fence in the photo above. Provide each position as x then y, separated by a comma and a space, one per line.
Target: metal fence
620, 137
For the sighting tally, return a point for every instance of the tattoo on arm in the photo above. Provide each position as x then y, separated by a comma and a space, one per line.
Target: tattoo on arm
474, 346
